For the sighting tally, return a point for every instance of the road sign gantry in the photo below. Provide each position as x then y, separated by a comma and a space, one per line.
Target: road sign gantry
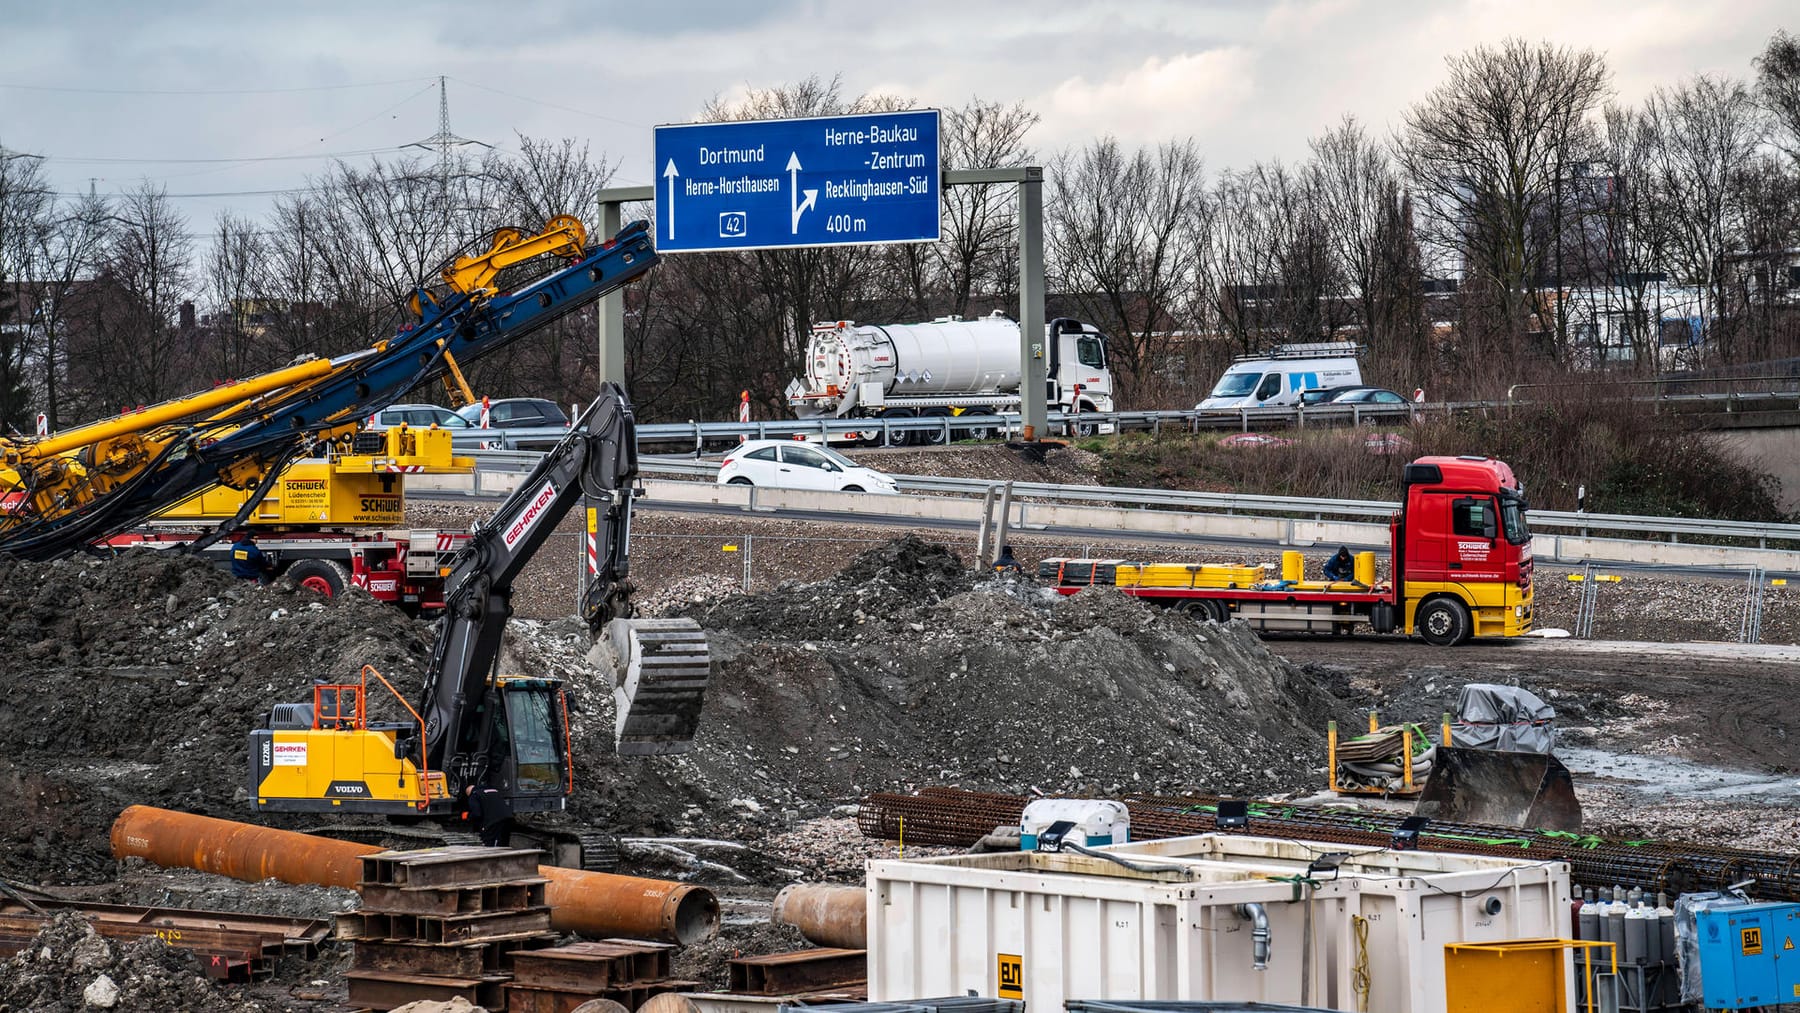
820, 181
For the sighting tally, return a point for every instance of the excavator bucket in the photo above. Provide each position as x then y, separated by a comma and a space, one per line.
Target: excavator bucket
1502, 788
660, 670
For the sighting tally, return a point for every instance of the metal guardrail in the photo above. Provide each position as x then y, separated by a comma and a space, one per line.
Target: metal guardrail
1235, 503
1007, 426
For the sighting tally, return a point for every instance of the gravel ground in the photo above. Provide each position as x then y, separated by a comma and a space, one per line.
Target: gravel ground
856, 663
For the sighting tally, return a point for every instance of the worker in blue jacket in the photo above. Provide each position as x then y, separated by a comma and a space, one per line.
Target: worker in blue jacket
249, 562
1340, 566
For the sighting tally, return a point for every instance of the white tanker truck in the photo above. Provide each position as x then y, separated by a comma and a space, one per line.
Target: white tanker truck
948, 367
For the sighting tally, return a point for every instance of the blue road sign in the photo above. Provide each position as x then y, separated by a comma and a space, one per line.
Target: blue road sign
826, 181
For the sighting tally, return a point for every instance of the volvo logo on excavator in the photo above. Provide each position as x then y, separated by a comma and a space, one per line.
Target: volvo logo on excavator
347, 789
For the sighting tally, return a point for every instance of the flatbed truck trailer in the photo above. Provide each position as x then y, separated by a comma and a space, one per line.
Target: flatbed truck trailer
1460, 567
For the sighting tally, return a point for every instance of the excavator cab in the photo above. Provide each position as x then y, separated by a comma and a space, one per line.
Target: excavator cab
526, 721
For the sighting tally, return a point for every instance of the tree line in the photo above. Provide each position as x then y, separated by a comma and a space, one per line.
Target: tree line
1516, 224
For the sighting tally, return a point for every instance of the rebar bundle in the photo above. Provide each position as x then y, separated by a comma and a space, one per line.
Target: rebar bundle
953, 818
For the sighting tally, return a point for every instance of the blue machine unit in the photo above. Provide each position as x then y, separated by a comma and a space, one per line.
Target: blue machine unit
1748, 955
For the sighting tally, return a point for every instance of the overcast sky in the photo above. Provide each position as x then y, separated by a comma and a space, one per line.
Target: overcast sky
117, 91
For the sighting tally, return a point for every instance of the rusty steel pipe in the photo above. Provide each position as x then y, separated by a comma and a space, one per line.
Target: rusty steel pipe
825, 914
592, 903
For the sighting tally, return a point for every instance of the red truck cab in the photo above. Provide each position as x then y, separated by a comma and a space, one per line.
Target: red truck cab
1462, 551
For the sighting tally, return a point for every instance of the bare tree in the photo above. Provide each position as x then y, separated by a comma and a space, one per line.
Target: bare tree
140, 354
234, 271
63, 258
1487, 152
1359, 204
978, 251
1768, 234
25, 207
545, 179
1702, 135
1636, 233
1778, 88
1121, 253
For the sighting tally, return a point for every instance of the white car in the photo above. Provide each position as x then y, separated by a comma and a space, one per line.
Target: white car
789, 464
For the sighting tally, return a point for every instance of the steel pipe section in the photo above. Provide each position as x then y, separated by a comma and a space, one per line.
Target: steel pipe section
825, 914
591, 903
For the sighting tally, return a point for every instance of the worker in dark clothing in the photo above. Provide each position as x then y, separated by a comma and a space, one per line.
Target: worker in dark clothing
1340, 566
249, 562
491, 813
1006, 563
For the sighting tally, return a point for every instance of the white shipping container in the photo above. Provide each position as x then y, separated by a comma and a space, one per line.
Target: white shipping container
1051, 927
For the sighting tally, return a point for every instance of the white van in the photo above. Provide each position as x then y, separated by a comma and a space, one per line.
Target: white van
1279, 376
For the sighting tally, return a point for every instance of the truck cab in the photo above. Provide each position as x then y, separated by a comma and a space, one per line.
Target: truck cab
1462, 565
1079, 377
1280, 376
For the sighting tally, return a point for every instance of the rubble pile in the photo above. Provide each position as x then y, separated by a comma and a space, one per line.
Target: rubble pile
147, 671
908, 668
136, 679
68, 968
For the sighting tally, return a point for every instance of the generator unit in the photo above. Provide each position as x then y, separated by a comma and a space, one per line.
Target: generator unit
1747, 954
1049, 822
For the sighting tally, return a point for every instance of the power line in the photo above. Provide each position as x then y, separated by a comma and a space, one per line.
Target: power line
210, 161
207, 91
553, 105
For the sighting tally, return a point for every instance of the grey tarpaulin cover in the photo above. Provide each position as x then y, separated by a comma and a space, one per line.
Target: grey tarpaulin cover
1505, 718
1687, 941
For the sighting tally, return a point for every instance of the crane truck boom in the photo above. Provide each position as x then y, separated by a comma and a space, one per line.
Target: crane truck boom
333, 521
472, 726
61, 493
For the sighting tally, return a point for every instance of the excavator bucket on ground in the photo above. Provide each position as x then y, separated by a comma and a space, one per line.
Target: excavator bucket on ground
1502, 788
660, 670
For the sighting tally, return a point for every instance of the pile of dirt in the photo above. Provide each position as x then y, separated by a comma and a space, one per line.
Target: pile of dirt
145, 673
68, 967
908, 668
136, 679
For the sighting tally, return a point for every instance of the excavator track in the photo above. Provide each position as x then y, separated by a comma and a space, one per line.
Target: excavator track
661, 668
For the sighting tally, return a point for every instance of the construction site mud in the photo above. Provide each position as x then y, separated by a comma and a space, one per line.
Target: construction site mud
135, 680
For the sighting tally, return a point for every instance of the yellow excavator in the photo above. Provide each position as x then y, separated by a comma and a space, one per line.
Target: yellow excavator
472, 726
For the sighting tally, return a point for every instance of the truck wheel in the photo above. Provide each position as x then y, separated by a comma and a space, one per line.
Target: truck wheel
931, 437
320, 575
983, 432
900, 438
1443, 622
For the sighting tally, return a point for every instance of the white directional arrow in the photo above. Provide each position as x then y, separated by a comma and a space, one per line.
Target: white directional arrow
795, 204
669, 173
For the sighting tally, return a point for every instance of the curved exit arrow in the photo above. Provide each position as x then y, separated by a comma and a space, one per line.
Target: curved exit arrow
795, 204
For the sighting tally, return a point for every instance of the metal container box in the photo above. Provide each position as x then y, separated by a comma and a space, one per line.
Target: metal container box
1048, 928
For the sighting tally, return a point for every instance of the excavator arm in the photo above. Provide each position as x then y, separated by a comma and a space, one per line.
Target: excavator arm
60, 495
663, 663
